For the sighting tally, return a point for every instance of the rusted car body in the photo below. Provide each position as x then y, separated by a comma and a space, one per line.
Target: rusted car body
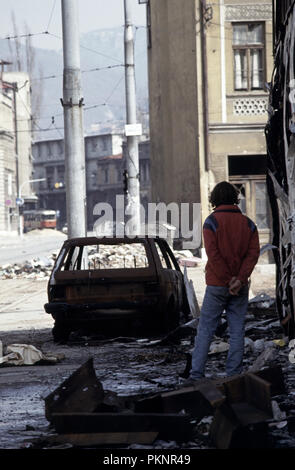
95, 280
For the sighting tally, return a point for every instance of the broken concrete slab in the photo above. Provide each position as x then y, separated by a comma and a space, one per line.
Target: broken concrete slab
239, 426
82, 391
258, 393
198, 403
266, 357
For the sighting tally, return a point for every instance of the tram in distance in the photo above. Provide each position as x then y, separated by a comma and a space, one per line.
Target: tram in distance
39, 219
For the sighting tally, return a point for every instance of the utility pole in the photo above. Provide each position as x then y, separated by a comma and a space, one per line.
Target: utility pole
19, 213
132, 174
73, 122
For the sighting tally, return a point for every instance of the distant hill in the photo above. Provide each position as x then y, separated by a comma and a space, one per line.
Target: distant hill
102, 89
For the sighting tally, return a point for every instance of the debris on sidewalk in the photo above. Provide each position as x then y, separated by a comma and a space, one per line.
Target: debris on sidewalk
84, 414
191, 262
80, 407
82, 392
261, 301
266, 357
192, 301
37, 268
218, 347
26, 354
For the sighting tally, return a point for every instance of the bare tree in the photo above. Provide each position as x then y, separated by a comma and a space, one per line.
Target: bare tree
23, 58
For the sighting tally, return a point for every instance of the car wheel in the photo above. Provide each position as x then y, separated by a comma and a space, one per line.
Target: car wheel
60, 332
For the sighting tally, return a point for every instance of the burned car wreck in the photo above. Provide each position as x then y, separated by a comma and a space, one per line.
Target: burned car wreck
117, 282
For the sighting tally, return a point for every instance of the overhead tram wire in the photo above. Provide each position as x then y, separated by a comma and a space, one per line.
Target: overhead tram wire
96, 69
61, 114
86, 48
21, 36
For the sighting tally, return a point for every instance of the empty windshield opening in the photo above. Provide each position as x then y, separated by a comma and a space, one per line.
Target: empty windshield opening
105, 256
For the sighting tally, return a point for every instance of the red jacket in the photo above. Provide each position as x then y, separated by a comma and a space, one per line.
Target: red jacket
232, 246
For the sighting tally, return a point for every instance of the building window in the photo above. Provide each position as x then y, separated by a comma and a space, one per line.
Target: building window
106, 175
49, 150
248, 50
93, 144
247, 173
49, 176
104, 144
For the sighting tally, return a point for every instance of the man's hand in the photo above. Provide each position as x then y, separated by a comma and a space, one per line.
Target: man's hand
234, 286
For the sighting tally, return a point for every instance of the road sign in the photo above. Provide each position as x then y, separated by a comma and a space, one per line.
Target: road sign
19, 201
133, 129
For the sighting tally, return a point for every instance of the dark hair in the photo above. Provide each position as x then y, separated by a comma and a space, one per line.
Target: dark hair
224, 193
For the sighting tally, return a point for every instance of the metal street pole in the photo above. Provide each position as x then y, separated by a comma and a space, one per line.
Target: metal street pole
14, 90
133, 194
73, 122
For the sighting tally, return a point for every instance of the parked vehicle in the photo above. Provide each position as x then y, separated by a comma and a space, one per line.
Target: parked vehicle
39, 219
105, 281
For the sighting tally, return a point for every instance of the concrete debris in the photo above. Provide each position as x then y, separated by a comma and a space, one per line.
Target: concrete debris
231, 412
263, 301
278, 414
248, 345
267, 357
37, 268
218, 347
26, 354
81, 392
108, 256
115, 256
192, 262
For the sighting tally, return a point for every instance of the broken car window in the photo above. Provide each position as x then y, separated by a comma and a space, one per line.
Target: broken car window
105, 256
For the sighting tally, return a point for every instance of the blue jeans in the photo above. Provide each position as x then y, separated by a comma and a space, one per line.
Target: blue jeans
216, 300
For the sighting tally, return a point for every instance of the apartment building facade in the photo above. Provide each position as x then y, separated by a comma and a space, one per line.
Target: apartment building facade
209, 65
15, 147
105, 164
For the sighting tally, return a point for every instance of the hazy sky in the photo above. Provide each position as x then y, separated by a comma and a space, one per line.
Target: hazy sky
42, 15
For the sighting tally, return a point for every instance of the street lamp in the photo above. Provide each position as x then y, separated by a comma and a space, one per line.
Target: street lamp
20, 224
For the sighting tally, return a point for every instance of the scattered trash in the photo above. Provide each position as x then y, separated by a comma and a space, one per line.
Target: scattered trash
25, 354
281, 342
229, 411
248, 345
261, 301
190, 262
278, 414
267, 357
259, 345
191, 295
218, 347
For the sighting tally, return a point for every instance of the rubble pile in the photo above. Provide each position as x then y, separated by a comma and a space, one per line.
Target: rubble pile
37, 268
236, 412
122, 256
117, 256
131, 255
255, 409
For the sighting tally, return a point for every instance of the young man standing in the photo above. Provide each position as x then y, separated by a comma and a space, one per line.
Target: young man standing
232, 246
